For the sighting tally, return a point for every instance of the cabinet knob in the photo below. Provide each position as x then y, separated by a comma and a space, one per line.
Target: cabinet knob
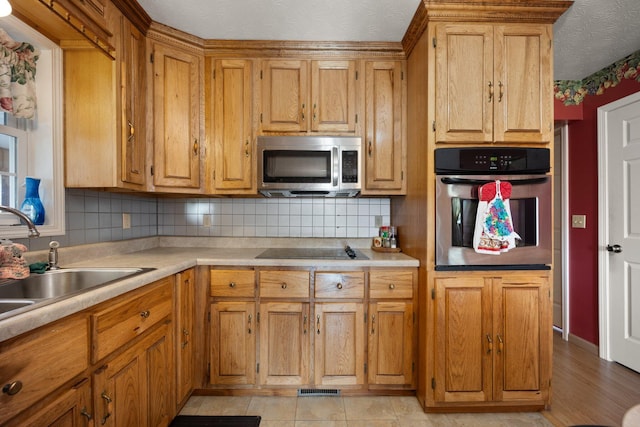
339, 286
392, 286
283, 286
232, 284
145, 314
12, 388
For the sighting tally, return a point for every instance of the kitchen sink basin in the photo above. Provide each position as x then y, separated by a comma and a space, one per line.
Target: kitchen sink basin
40, 289
10, 305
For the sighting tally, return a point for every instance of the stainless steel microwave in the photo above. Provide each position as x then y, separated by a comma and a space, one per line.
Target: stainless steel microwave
311, 166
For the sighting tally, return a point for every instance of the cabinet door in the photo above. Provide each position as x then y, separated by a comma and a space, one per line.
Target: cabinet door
384, 142
132, 69
463, 340
522, 338
284, 343
133, 389
185, 294
233, 343
333, 96
176, 117
70, 408
339, 344
523, 102
464, 83
391, 343
232, 120
285, 104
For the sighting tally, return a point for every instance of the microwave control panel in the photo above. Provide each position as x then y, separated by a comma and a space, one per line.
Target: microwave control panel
350, 166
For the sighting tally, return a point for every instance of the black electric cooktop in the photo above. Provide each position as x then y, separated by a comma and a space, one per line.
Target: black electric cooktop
313, 253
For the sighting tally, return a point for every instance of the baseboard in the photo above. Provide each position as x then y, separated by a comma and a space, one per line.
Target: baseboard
584, 344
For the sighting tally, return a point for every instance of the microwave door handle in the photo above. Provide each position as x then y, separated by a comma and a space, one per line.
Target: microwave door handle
336, 166
466, 181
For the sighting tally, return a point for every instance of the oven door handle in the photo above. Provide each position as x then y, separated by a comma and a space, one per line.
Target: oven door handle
466, 181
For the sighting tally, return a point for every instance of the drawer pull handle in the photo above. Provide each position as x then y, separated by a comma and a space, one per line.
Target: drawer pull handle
107, 401
250, 317
145, 314
318, 324
339, 285
304, 324
500, 344
84, 413
373, 324
283, 286
232, 284
13, 388
490, 344
392, 286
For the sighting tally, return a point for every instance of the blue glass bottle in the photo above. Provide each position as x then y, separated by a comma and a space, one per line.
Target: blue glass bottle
32, 205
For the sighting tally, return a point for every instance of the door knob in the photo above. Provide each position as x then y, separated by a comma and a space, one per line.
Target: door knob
614, 248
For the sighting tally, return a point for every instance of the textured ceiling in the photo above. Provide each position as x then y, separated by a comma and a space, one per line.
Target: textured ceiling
589, 36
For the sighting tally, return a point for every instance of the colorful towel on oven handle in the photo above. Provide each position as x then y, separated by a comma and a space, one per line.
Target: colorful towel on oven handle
494, 233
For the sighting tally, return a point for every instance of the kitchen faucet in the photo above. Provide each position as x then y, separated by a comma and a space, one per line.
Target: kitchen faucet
33, 231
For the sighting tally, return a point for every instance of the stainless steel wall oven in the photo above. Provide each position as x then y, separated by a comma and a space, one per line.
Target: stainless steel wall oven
460, 172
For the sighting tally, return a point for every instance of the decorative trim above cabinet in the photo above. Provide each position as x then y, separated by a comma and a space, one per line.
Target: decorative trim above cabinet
494, 11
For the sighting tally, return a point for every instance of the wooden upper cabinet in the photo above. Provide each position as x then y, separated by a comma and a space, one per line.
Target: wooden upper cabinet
493, 83
285, 96
293, 102
385, 140
333, 96
231, 128
102, 153
132, 69
176, 117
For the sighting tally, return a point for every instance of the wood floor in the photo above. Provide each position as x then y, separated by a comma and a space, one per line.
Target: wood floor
589, 390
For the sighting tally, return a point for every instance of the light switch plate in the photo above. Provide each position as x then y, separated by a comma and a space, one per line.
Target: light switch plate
126, 221
578, 221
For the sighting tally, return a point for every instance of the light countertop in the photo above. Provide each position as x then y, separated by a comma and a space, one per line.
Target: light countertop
172, 255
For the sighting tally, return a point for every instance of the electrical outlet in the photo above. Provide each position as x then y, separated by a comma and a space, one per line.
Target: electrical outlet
206, 220
378, 219
126, 221
578, 221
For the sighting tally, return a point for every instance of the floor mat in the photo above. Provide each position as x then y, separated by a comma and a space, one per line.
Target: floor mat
215, 421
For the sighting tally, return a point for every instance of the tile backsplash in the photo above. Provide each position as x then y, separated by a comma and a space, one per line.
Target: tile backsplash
93, 217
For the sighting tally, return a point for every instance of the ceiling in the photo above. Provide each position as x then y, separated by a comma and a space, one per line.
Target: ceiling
591, 35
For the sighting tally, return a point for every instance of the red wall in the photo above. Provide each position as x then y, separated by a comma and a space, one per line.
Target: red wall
583, 199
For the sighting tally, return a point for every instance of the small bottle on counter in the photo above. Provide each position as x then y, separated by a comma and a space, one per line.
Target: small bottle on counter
393, 241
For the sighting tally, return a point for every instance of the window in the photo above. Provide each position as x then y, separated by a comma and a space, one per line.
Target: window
33, 147
13, 163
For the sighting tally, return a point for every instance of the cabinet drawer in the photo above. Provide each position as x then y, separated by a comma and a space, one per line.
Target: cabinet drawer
340, 285
129, 316
391, 284
233, 283
284, 284
41, 362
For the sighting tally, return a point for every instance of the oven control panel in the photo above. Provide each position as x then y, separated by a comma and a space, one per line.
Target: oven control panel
491, 160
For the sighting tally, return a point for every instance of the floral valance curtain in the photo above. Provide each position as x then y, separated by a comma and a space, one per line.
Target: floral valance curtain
17, 77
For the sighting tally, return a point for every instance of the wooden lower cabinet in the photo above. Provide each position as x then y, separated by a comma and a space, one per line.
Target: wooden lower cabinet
280, 329
391, 343
493, 339
71, 408
134, 388
339, 344
36, 365
233, 343
185, 352
284, 343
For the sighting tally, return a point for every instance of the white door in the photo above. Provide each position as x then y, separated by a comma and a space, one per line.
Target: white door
619, 145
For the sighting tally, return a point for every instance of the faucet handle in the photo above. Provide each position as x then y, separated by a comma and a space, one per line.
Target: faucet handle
54, 244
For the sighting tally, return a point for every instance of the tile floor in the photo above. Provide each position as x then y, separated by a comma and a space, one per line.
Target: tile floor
320, 411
